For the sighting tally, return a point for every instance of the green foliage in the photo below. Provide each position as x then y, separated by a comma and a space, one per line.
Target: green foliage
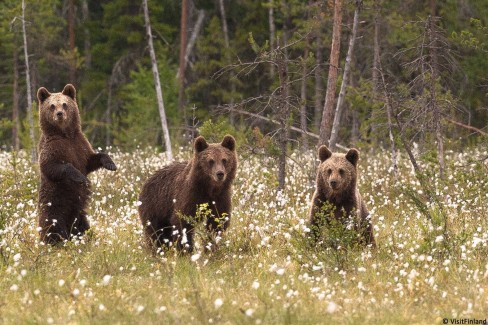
215, 131
138, 121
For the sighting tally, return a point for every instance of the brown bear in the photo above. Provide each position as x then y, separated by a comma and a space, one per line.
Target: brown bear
170, 197
336, 194
65, 159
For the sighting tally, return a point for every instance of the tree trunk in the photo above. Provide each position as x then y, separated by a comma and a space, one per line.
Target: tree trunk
157, 83
29, 92
87, 41
194, 34
319, 95
303, 95
376, 58
389, 115
284, 105
228, 58
71, 41
15, 104
433, 92
181, 72
327, 114
345, 79
272, 33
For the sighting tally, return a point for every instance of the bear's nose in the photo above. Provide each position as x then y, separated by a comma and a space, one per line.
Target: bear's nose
220, 175
59, 114
333, 183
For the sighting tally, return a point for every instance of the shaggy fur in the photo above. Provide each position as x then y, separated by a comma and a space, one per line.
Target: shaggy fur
65, 159
171, 196
336, 185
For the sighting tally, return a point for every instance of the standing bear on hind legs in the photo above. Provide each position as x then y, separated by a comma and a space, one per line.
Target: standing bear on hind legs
65, 159
337, 196
170, 197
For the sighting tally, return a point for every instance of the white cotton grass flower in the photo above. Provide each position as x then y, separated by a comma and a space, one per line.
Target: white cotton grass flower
101, 307
218, 303
14, 287
17, 257
249, 312
255, 285
195, 257
61, 282
106, 279
331, 307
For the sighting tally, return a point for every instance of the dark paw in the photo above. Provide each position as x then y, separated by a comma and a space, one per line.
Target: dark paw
79, 178
107, 163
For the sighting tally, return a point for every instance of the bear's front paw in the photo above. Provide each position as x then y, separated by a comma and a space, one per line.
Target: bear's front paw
78, 177
107, 163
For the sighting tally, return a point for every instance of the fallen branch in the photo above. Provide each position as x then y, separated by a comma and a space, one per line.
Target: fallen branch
469, 127
239, 111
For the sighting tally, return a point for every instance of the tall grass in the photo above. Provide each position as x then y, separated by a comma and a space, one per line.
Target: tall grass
264, 270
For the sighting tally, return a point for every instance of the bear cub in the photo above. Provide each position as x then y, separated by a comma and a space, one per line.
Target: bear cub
65, 159
336, 194
170, 197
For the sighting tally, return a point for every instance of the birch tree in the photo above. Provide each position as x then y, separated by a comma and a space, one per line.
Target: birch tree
28, 87
345, 79
157, 83
328, 111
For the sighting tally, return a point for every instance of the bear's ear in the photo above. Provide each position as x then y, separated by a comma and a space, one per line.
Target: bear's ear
43, 94
353, 156
70, 91
229, 142
324, 153
200, 144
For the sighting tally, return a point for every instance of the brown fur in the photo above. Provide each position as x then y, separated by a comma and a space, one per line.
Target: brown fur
336, 185
176, 190
65, 159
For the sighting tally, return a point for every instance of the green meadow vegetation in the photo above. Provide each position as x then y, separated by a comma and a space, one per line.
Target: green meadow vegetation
431, 261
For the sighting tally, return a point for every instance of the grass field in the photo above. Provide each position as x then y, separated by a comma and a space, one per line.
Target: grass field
431, 261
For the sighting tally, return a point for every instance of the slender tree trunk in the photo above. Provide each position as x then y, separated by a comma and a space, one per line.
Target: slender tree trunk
227, 57
182, 67
345, 79
15, 104
433, 89
194, 34
29, 91
376, 58
376, 49
181, 72
389, 115
284, 104
319, 94
272, 34
157, 83
328, 111
87, 42
303, 95
71, 36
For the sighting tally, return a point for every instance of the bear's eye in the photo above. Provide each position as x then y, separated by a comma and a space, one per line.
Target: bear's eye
224, 161
341, 171
65, 106
329, 171
211, 162
52, 106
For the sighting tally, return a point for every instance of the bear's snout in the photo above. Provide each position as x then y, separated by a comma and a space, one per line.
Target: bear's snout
220, 175
334, 184
59, 115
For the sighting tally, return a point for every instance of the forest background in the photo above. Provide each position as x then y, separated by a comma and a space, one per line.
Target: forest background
417, 70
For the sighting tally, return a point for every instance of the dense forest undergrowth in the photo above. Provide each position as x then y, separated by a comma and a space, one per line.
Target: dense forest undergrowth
430, 264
